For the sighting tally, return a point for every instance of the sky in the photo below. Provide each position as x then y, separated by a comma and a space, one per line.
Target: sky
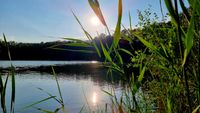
50, 20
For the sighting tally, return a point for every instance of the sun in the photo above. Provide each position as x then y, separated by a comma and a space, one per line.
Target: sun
95, 21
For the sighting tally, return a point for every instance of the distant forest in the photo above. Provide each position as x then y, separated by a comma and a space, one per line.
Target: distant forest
60, 50
45, 51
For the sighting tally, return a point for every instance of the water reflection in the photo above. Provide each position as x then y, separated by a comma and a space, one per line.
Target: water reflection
72, 88
73, 79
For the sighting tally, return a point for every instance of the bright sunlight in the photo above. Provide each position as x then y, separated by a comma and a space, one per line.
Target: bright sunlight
95, 21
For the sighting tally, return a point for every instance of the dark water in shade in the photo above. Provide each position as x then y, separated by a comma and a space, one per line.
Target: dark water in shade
78, 90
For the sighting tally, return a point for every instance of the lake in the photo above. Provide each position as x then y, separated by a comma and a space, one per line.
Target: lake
78, 89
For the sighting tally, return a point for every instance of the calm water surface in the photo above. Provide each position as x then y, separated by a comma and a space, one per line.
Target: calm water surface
40, 63
78, 90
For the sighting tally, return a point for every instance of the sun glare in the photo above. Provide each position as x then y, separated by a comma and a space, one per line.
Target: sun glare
95, 21
94, 98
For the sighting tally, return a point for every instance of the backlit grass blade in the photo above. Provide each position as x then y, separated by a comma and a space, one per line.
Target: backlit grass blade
38, 102
3, 96
196, 109
161, 9
81, 109
106, 53
146, 43
83, 51
58, 86
12, 79
76, 40
77, 44
118, 26
59, 90
189, 37
94, 4
169, 110
87, 34
9, 56
43, 110
126, 51
50, 95
1, 84
141, 76
13, 90
184, 9
171, 10
130, 20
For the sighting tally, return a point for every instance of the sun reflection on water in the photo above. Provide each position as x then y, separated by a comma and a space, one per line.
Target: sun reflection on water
94, 61
94, 98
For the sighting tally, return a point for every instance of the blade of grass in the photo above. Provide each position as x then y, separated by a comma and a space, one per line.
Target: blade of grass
49, 94
184, 9
196, 109
130, 21
189, 37
13, 90
9, 56
83, 51
43, 110
141, 76
38, 102
81, 109
105, 52
87, 34
94, 4
146, 43
58, 86
118, 26
3, 96
77, 44
171, 10
126, 51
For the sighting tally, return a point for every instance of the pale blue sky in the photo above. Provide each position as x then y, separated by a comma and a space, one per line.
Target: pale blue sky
48, 20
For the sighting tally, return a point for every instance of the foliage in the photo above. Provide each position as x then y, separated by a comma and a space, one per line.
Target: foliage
170, 58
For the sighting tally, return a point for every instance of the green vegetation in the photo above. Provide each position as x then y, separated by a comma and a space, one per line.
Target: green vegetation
170, 59
171, 56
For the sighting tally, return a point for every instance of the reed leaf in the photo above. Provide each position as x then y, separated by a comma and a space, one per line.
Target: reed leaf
126, 51
81, 109
3, 96
117, 33
38, 102
76, 40
9, 56
83, 51
169, 110
87, 34
141, 76
43, 110
1, 84
130, 20
94, 4
171, 10
13, 90
105, 52
189, 37
58, 86
196, 109
50, 95
76, 44
184, 9
146, 43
